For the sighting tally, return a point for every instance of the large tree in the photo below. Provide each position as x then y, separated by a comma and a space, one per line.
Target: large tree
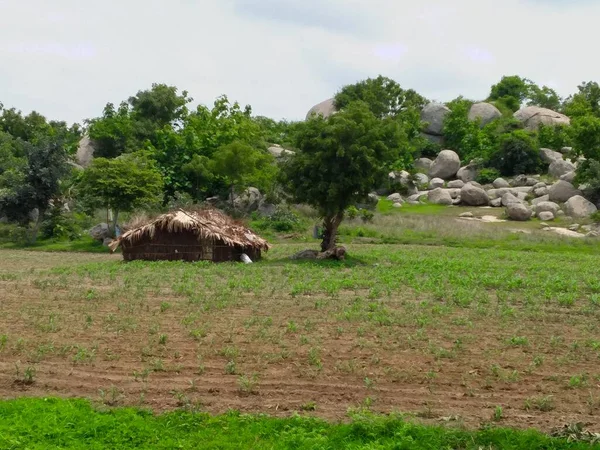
339, 161
121, 184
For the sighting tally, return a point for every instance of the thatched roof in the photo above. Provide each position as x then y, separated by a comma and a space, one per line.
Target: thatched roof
208, 224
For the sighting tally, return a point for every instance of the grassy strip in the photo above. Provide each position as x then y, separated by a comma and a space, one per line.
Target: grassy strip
54, 423
83, 244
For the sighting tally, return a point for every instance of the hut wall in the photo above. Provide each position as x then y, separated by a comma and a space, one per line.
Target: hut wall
185, 246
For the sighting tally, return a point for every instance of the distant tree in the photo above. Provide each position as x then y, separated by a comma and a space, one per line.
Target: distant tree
544, 97
465, 136
37, 184
384, 96
113, 133
585, 102
586, 143
121, 184
513, 91
237, 163
339, 161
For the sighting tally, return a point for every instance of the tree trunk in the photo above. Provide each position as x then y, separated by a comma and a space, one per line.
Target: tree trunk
330, 229
115, 223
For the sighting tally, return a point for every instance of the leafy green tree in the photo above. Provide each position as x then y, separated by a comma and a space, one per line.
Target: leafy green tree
113, 133
544, 97
37, 184
585, 102
121, 184
384, 96
586, 143
516, 154
465, 136
339, 161
238, 162
511, 91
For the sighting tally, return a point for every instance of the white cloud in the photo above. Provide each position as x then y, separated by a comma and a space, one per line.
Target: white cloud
67, 58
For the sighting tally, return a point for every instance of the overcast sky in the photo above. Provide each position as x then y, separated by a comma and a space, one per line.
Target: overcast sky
68, 58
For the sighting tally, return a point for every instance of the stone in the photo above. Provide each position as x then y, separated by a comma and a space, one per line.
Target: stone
524, 181
561, 191
560, 167
466, 214
439, 196
579, 208
566, 150
454, 193
543, 198
541, 184
397, 205
564, 232
436, 183
560, 213
423, 164
325, 109
445, 166
100, 232
534, 116
396, 198
509, 198
546, 207
278, 151
405, 180
433, 114
570, 176
500, 183
573, 227
268, 209
485, 112
106, 241
518, 211
549, 156
473, 196
546, 216
467, 173
85, 152
421, 179
593, 234
416, 197
456, 201
456, 184
249, 200
373, 198
540, 192
496, 203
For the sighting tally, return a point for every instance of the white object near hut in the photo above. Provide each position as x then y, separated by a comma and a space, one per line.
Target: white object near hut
245, 259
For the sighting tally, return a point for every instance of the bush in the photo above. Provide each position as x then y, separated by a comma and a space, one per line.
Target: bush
352, 212
516, 154
282, 220
487, 176
464, 136
366, 215
554, 137
588, 173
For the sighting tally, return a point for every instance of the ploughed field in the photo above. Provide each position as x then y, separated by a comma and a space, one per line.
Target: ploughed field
459, 335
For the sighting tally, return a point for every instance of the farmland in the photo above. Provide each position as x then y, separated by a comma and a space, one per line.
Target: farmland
448, 335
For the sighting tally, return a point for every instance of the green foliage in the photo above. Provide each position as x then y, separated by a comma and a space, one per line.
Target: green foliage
554, 136
517, 154
586, 143
513, 91
283, 220
340, 160
384, 96
585, 102
121, 184
60, 225
544, 97
113, 133
487, 175
464, 136
49, 423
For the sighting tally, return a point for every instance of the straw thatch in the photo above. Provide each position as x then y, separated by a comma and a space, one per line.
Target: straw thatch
205, 234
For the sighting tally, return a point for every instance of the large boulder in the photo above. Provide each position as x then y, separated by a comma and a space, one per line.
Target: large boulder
534, 116
560, 167
509, 198
545, 216
524, 180
395, 198
403, 179
549, 156
570, 177
445, 166
561, 191
423, 164
467, 173
546, 207
439, 196
249, 200
85, 152
325, 109
579, 208
518, 211
279, 152
473, 196
456, 184
421, 179
433, 114
500, 183
543, 198
485, 112
436, 183
100, 232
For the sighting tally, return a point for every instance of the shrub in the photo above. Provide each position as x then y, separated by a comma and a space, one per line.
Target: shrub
352, 212
554, 137
487, 176
61, 225
282, 220
464, 136
366, 215
516, 154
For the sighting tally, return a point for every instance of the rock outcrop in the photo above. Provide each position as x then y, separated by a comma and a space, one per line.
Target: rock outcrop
534, 116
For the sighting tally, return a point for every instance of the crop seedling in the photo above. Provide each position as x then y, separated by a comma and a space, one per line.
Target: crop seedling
247, 385
498, 414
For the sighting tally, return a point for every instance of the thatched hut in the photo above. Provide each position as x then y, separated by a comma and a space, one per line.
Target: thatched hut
206, 235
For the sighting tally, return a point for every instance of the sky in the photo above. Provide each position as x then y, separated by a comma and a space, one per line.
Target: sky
67, 58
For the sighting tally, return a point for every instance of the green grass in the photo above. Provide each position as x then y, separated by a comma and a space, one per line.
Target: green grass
84, 244
75, 424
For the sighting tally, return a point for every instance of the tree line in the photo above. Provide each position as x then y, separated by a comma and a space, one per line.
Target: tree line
155, 151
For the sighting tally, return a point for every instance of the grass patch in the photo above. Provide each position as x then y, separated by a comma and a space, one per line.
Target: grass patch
53, 423
83, 244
